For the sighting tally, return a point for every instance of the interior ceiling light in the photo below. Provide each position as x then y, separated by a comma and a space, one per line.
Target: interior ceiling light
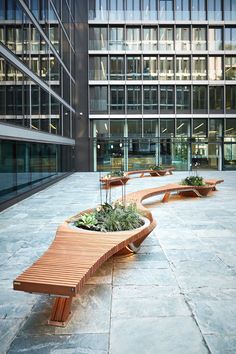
180, 126
198, 126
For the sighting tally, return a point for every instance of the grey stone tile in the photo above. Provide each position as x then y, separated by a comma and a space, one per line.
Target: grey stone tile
221, 344
144, 277
142, 307
61, 344
91, 314
8, 330
156, 335
144, 291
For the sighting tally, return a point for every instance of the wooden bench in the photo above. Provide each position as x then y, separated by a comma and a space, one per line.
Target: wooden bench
76, 254
153, 173
114, 181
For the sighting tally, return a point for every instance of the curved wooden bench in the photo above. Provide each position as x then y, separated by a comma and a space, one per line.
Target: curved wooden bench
153, 173
76, 254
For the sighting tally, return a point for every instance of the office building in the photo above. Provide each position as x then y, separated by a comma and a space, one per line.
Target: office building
37, 93
162, 83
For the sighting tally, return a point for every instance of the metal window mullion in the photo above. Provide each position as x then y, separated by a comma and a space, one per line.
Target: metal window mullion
38, 27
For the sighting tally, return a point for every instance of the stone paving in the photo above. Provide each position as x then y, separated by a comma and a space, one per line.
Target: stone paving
177, 295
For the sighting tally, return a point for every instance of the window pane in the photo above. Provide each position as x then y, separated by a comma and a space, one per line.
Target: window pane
230, 68
166, 68
230, 99
149, 38
199, 99
183, 127
98, 38
116, 39
98, 68
215, 39
100, 128
167, 127
117, 68
133, 99
183, 99
150, 127
182, 38
215, 68
98, 99
133, 68
133, 39
216, 99
117, 99
150, 99
166, 38
149, 68
199, 127
182, 68
134, 127
199, 71
167, 99
199, 38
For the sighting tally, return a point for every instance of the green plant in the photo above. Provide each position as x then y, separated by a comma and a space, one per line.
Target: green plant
156, 167
87, 221
107, 217
116, 174
193, 181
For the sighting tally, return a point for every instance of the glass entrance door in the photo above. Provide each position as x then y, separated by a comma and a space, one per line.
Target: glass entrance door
205, 156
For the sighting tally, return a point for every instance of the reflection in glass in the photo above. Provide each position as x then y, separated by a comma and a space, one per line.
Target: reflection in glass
117, 99
166, 38
97, 68
167, 127
198, 10
149, 68
215, 71
230, 38
183, 99
133, 68
182, 41
133, 39
166, 10
200, 99
199, 71
182, 10
98, 99
167, 99
98, 38
182, 127
182, 68
199, 38
216, 99
150, 127
117, 68
116, 38
200, 127
215, 39
101, 128
230, 68
149, 38
149, 10
134, 127
134, 99
214, 10
166, 68
230, 99
150, 99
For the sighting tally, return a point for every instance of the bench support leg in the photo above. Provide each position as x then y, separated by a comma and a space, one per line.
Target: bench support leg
61, 311
166, 197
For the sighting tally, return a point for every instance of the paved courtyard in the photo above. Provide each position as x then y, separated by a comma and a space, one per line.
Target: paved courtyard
177, 295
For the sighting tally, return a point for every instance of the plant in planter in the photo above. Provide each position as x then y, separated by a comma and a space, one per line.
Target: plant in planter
108, 217
193, 181
157, 168
114, 178
201, 188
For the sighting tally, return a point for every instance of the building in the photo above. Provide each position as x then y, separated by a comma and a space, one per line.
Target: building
162, 83
37, 94
100, 85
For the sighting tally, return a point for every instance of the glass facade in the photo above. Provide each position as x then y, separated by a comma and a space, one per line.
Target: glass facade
37, 93
176, 64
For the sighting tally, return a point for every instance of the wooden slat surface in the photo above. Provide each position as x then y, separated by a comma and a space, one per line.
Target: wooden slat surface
75, 255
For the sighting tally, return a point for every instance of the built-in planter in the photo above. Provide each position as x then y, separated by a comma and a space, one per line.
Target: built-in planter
114, 181
202, 190
138, 234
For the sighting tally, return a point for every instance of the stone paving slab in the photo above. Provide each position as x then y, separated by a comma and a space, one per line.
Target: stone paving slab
177, 295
